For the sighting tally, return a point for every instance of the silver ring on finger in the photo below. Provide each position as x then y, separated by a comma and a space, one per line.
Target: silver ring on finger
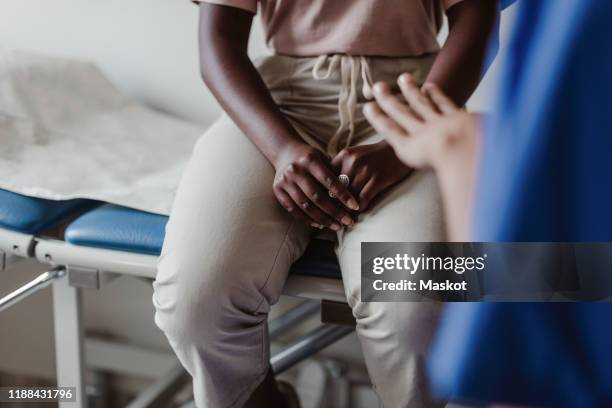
344, 180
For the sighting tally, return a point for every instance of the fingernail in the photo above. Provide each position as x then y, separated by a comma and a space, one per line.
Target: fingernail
335, 227
405, 78
353, 204
318, 226
346, 220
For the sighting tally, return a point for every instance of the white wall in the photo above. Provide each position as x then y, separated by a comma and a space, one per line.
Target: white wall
147, 47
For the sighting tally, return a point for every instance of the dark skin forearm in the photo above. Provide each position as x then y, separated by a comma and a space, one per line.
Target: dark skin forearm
230, 75
459, 63
303, 175
456, 71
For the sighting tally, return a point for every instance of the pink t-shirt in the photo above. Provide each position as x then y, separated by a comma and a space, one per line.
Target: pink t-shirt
393, 28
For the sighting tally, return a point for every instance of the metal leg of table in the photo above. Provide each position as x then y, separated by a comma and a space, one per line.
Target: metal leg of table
69, 336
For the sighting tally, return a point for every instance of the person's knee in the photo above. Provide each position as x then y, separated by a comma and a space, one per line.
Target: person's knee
194, 299
366, 312
413, 322
175, 311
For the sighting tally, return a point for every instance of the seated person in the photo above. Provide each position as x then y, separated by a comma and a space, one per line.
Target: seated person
266, 176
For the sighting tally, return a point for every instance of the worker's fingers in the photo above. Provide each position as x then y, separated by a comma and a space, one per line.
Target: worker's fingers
383, 124
395, 109
417, 100
443, 103
404, 145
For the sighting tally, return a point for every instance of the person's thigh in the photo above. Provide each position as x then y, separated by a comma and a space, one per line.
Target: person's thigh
395, 336
226, 221
409, 212
227, 251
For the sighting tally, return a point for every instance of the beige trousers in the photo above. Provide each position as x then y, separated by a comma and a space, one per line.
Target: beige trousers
229, 244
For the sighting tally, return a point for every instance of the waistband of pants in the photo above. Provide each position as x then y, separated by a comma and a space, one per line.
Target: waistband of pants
355, 76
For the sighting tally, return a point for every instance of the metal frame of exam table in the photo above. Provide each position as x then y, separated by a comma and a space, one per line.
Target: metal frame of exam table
18, 243
14, 246
74, 267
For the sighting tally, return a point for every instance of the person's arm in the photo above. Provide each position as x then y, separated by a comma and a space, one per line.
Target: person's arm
433, 132
303, 177
230, 75
459, 63
374, 168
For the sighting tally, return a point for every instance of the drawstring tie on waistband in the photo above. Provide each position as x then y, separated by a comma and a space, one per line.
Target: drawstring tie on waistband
350, 69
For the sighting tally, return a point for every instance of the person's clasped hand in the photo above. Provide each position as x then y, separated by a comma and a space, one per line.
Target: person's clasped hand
308, 185
308, 189
427, 130
370, 169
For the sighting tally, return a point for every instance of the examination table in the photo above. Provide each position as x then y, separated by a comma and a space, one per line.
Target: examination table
88, 243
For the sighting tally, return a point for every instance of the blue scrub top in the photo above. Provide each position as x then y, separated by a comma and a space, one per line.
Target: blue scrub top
545, 175
546, 169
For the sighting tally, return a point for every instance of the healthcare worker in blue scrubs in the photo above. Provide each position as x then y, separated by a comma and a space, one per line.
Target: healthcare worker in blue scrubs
537, 169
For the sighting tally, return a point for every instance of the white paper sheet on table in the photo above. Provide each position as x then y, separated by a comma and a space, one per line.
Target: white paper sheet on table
67, 132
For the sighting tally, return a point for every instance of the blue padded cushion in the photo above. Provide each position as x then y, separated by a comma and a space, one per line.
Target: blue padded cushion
31, 215
124, 229
119, 228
